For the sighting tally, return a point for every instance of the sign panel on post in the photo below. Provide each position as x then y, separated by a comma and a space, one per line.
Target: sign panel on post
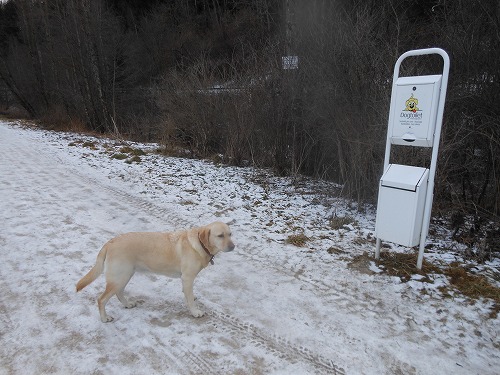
290, 62
413, 110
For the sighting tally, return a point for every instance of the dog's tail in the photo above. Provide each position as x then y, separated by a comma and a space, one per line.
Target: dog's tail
95, 271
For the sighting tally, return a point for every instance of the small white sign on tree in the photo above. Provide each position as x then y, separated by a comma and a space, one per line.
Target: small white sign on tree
290, 62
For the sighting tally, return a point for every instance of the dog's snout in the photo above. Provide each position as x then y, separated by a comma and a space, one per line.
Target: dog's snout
230, 247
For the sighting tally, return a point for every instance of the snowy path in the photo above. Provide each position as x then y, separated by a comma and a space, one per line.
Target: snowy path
270, 309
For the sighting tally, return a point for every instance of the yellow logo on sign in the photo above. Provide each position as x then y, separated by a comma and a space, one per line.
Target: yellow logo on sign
411, 104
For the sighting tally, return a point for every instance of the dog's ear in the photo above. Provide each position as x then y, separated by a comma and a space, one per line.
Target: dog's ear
204, 236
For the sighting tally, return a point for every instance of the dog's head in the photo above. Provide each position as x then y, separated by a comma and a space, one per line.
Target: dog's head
411, 104
216, 237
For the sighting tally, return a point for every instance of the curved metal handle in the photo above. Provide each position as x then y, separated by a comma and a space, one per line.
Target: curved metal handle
420, 52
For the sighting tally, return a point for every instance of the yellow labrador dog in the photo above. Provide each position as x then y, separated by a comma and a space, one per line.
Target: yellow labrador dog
177, 254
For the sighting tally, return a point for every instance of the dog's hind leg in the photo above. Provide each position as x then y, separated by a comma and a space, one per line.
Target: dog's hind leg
115, 284
128, 304
103, 300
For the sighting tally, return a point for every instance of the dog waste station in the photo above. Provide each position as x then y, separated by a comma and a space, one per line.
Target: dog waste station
415, 119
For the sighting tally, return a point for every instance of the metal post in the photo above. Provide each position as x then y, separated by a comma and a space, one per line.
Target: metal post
377, 249
435, 148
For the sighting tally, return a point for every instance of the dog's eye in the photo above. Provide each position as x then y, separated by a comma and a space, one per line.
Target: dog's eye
221, 235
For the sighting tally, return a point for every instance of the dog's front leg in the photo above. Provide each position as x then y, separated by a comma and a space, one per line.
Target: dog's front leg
187, 288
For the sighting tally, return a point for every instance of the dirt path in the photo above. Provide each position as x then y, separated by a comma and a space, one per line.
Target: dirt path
56, 220
266, 313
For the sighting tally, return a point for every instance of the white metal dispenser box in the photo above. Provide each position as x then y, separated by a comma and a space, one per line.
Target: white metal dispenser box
414, 103
401, 202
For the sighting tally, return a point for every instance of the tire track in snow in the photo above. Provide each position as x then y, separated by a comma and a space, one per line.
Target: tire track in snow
277, 345
202, 365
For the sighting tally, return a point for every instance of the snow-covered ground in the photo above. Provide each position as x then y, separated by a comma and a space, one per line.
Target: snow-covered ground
272, 307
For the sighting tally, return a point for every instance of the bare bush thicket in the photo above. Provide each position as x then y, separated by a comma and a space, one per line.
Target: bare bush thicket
207, 76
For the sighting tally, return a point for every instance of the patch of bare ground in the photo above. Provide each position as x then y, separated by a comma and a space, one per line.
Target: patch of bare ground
460, 278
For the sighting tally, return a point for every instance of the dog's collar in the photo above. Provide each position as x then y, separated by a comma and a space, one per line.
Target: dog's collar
207, 251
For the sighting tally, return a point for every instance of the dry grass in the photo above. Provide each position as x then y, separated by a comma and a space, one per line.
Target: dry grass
338, 222
335, 250
132, 151
405, 265
133, 159
90, 145
473, 286
129, 154
469, 285
298, 240
119, 156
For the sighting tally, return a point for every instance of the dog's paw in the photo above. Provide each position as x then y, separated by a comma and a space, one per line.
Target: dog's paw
130, 305
107, 319
197, 313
